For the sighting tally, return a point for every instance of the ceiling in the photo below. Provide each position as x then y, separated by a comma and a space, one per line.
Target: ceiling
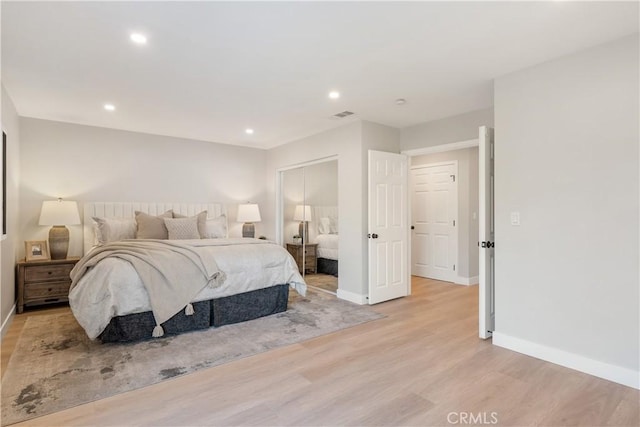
212, 69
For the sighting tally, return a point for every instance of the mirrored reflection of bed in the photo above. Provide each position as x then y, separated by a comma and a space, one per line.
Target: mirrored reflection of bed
325, 225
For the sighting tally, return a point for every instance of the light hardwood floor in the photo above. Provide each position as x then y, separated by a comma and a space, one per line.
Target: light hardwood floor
325, 282
422, 365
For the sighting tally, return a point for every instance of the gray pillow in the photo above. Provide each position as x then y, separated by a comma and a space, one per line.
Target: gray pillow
182, 228
152, 227
202, 222
114, 229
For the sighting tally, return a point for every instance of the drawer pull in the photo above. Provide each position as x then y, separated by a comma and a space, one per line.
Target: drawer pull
50, 289
50, 272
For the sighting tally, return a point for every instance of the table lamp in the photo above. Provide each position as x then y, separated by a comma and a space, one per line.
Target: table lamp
303, 214
59, 214
248, 213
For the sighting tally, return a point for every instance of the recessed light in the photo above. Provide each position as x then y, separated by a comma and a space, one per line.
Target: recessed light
334, 95
249, 131
401, 101
138, 38
109, 107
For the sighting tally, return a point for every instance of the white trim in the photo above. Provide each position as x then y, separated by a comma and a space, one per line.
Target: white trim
575, 361
442, 148
467, 281
352, 297
5, 325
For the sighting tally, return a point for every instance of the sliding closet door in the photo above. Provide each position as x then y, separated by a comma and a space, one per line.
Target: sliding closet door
293, 215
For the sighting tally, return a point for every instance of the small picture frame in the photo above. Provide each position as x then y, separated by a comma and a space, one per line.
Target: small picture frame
36, 250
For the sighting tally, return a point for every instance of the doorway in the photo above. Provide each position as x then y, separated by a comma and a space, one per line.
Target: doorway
445, 213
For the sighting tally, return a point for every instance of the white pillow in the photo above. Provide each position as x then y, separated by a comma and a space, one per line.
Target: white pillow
216, 228
324, 227
333, 225
114, 229
202, 219
182, 228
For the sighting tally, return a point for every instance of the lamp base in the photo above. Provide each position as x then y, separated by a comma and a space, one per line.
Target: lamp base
303, 231
59, 242
248, 230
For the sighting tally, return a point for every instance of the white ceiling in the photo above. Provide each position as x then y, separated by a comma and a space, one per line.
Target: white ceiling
212, 69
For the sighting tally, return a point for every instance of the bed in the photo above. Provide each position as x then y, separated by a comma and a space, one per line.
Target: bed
220, 280
326, 227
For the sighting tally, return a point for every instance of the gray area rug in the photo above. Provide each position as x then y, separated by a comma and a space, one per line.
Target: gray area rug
55, 366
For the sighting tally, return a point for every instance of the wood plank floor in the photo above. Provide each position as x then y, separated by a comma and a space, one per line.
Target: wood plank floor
422, 365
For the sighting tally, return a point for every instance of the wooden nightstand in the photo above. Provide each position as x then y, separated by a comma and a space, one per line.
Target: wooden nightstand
310, 256
43, 282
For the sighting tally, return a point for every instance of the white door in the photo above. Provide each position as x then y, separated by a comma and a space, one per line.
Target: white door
434, 205
388, 226
486, 237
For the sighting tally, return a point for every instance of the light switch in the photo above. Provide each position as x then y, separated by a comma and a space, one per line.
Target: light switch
515, 218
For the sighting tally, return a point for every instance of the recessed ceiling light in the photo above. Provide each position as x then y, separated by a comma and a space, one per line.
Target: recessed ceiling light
109, 107
334, 95
138, 38
401, 101
249, 131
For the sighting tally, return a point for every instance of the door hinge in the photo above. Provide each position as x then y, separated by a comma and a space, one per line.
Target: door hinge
454, 222
454, 267
453, 178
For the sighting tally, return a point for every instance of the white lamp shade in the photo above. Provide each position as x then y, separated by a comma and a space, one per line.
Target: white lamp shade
59, 212
248, 212
302, 213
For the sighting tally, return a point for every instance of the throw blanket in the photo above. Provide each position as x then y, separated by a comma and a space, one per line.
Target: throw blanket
173, 273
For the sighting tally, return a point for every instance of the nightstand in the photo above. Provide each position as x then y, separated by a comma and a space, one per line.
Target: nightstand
309, 250
43, 282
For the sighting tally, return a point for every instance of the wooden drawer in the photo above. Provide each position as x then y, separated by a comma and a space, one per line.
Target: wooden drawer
40, 291
310, 250
38, 273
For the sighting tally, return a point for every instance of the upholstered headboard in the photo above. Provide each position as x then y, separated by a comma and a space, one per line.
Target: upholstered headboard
127, 210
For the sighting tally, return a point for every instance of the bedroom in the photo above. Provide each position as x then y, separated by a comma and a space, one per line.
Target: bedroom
77, 161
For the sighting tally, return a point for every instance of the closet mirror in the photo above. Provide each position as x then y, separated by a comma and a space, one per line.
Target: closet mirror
309, 221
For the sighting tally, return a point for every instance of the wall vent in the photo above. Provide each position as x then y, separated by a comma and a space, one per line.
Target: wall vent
342, 115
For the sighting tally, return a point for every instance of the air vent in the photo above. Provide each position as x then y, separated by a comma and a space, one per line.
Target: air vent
342, 115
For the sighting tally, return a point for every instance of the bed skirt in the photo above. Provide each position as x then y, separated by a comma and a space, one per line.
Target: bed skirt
328, 266
216, 312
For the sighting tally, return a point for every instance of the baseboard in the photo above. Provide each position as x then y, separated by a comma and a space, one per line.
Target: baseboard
5, 324
352, 297
580, 363
467, 281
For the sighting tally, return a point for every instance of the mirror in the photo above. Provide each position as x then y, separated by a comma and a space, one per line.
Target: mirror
309, 221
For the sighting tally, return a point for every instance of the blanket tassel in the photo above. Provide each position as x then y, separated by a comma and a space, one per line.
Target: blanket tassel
188, 310
158, 331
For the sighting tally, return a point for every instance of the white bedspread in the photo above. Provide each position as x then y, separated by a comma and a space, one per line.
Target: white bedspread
327, 246
113, 288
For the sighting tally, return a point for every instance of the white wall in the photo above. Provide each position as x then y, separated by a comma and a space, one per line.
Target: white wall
87, 163
462, 127
467, 206
10, 125
567, 282
349, 144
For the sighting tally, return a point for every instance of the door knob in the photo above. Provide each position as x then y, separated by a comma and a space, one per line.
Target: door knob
374, 235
